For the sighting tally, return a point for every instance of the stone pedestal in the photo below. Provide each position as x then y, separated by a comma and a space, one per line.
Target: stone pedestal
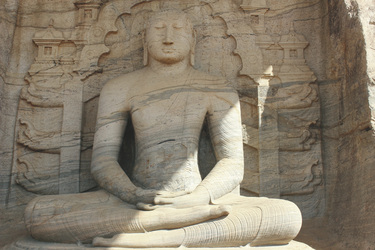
30, 243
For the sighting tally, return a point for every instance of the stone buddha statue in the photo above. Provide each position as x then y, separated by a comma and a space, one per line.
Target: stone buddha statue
165, 202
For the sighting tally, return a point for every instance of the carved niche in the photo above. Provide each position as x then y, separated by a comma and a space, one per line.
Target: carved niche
278, 94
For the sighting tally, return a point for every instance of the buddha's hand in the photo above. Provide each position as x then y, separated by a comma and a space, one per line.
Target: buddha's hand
146, 197
200, 196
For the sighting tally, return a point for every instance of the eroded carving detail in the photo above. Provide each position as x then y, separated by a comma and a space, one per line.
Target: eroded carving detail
36, 179
294, 67
88, 11
167, 113
43, 96
301, 181
55, 86
296, 96
48, 142
288, 106
296, 140
262, 58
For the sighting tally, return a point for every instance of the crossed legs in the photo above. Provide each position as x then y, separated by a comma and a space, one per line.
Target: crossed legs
81, 217
258, 221
232, 221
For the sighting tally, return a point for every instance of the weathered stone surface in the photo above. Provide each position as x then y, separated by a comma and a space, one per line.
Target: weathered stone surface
159, 198
28, 242
305, 139
347, 118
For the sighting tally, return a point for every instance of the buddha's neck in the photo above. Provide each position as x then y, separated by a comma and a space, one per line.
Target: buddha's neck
178, 68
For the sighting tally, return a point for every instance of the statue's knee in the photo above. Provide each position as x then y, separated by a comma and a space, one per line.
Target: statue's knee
37, 209
281, 222
290, 213
291, 209
29, 210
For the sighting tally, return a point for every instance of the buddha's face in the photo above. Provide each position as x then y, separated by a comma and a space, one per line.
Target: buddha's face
169, 37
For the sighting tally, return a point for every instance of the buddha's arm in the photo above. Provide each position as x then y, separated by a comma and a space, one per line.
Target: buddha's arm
111, 121
224, 120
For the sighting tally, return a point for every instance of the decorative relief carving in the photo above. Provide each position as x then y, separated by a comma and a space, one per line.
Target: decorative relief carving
294, 67
36, 140
88, 11
48, 42
257, 9
293, 97
284, 108
297, 140
251, 56
167, 135
43, 96
38, 174
300, 181
49, 142
296, 99
63, 60
288, 108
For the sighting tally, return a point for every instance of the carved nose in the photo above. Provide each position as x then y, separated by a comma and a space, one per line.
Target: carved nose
168, 36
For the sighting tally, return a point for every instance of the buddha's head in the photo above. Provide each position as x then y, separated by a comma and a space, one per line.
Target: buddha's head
169, 38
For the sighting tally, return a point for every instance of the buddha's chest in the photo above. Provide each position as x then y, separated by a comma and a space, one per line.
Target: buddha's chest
168, 109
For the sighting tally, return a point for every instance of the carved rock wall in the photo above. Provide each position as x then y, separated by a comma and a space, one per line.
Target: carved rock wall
347, 97
301, 69
8, 24
88, 42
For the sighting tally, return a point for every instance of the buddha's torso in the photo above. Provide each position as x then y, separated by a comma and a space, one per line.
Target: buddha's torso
167, 125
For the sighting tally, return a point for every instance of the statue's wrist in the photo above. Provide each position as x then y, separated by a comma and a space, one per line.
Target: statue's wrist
144, 195
202, 192
139, 192
128, 196
124, 196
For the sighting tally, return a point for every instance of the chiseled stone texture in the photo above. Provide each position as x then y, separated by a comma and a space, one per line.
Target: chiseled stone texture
27, 243
168, 102
66, 61
8, 11
321, 140
347, 95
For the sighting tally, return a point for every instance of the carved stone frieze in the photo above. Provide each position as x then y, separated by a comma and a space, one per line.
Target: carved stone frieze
30, 137
294, 96
88, 11
251, 56
279, 100
294, 67
302, 180
43, 96
304, 72
297, 140
288, 107
38, 173
64, 58
49, 142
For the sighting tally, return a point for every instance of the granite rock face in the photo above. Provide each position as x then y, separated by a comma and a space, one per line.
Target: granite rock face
348, 122
304, 72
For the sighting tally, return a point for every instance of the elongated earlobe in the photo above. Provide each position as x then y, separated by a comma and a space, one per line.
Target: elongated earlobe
145, 50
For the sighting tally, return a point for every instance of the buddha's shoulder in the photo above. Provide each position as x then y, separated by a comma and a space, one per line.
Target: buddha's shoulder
211, 83
207, 79
123, 82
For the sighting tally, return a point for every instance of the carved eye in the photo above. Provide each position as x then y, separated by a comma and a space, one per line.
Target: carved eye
178, 26
159, 26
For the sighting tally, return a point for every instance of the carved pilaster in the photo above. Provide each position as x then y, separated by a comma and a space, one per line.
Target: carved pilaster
56, 88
